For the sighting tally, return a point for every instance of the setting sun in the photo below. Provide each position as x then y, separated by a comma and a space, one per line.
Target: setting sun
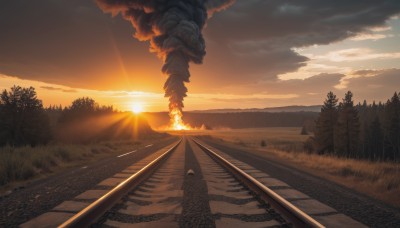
137, 108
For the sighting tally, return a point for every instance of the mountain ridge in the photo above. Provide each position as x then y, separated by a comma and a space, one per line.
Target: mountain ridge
291, 108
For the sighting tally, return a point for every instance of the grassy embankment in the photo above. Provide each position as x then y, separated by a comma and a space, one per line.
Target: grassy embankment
18, 165
380, 180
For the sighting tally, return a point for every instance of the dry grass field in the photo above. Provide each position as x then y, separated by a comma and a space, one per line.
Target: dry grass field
380, 180
22, 164
282, 138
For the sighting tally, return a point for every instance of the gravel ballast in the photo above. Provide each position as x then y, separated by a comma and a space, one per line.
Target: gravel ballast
42, 195
369, 211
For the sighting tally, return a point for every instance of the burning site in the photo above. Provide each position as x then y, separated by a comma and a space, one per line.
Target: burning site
174, 30
199, 113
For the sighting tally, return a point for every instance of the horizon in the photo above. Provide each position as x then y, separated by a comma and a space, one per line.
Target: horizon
66, 95
296, 63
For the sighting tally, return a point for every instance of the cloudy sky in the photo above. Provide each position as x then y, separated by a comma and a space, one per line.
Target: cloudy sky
260, 53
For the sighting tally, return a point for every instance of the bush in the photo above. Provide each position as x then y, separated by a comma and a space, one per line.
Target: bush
304, 131
309, 145
43, 161
63, 153
14, 166
263, 143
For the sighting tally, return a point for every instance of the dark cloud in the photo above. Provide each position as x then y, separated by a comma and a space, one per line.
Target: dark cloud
316, 85
302, 22
72, 42
378, 85
261, 34
51, 88
59, 89
69, 90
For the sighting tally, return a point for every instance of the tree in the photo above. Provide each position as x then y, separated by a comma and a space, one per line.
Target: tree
309, 145
325, 125
346, 133
304, 131
392, 128
263, 143
82, 108
375, 140
84, 104
23, 120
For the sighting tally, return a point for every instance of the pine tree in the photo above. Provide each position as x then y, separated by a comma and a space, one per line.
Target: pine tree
23, 120
304, 130
346, 133
375, 142
325, 125
392, 128
364, 142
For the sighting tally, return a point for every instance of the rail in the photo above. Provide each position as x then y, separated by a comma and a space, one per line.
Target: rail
287, 210
96, 209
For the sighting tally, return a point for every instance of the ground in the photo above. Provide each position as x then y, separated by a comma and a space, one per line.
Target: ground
380, 180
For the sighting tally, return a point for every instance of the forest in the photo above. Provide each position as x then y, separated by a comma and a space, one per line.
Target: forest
24, 121
362, 131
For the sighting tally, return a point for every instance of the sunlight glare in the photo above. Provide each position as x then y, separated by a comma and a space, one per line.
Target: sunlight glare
137, 108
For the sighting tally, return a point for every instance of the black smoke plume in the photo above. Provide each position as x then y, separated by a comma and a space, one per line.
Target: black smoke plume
173, 28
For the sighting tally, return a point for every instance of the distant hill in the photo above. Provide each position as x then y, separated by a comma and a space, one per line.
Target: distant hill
244, 119
293, 108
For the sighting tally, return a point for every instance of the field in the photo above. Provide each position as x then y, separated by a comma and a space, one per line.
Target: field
380, 180
281, 138
22, 164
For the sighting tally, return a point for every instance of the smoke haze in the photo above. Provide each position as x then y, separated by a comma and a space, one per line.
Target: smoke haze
173, 28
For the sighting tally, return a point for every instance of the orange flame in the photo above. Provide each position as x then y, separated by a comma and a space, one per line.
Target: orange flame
177, 123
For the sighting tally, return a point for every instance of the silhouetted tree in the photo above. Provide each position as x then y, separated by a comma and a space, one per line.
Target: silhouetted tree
23, 120
84, 104
392, 128
82, 108
346, 134
309, 145
378, 138
263, 143
375, 141
325, 124
304, 131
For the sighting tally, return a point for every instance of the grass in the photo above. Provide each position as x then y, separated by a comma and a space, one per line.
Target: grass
17, 165
282, 138
380, 180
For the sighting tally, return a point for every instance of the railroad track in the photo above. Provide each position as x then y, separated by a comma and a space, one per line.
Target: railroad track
215, 192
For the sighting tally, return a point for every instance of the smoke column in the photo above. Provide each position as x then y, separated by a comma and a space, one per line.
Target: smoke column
173, 28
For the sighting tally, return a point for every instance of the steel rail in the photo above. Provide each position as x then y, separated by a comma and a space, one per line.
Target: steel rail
95, 210
287, 210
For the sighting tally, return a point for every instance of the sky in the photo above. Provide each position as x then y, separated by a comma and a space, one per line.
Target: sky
260, 53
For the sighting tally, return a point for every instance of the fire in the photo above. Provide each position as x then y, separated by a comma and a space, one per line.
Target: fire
177, 122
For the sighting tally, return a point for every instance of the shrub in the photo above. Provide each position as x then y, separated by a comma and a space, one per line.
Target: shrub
304, 131
309, 145
63, 153
263, 143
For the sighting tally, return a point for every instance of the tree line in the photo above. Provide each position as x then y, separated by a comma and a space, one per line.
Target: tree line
24, 120
362, 131
237, 120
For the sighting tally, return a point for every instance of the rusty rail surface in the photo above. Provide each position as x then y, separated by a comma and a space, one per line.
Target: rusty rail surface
96, 209
287, 210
